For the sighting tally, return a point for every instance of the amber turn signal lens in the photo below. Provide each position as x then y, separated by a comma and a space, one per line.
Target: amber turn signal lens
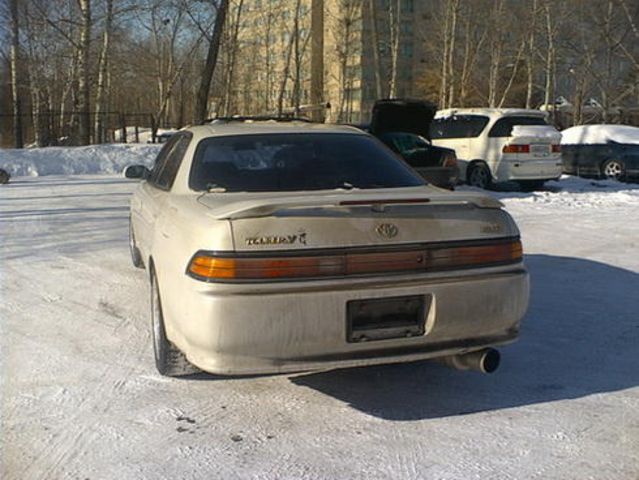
516, 149
206, 266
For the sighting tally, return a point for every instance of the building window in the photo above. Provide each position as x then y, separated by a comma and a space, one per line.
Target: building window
409, 6
406, 50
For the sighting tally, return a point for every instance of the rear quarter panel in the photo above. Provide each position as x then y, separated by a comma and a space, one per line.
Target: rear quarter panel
183, 228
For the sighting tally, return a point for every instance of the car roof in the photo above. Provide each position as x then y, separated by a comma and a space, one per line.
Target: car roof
491, 112
225, 128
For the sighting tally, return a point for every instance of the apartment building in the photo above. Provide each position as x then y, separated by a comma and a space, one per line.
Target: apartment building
276, 44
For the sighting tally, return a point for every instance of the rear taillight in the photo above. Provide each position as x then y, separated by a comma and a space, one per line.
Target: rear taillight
209, 267
556, 149
516, 149
450, 160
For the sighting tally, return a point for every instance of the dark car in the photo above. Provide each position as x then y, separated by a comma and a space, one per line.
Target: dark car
403, 125
601, 151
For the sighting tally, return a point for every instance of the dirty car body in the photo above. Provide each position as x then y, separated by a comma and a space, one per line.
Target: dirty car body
289, 247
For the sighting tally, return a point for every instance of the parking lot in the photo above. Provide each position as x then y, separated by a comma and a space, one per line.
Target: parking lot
82, 399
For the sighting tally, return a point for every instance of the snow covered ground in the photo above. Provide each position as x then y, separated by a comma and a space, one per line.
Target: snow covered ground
81, 398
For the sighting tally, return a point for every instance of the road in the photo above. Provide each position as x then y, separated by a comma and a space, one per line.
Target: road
81, 398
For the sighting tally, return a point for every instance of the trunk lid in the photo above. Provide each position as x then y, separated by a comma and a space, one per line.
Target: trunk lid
540, 138
269, 222
412, 116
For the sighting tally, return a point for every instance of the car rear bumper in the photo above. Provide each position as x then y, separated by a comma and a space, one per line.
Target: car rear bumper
297, 326
529, 169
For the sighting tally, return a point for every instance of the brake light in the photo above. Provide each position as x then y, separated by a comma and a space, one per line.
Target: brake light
209, 267
450, 160
516, 149
556, 149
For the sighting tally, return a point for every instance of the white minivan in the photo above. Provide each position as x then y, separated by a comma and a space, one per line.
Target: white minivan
500, 144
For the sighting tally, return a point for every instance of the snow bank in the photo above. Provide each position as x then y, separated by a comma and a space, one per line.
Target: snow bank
572, 192
93, 159
599, 134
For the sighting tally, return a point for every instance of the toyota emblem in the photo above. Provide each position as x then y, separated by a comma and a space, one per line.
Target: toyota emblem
387, 230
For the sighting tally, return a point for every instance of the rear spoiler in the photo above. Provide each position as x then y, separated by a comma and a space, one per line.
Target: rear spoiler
266, 207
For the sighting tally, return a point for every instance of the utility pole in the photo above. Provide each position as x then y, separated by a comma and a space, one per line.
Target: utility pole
317, 60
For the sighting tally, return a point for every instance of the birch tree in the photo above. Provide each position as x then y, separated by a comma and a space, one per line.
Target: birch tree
16, 74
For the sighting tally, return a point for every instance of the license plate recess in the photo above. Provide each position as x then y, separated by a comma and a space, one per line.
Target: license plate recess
384, 318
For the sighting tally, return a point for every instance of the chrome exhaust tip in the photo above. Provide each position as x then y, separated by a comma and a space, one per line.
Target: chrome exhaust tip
485, 361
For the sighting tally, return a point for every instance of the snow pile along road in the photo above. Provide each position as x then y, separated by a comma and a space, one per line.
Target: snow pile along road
93, 159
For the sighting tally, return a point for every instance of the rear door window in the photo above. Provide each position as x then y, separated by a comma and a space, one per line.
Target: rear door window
504, 126
169, 161
458, 126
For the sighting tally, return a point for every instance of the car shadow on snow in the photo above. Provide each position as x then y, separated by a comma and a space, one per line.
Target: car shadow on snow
579, 338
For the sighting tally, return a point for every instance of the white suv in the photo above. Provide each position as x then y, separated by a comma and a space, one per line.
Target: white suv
499, 145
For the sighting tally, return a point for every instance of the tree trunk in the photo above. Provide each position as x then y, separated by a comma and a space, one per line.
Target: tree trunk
230, 68
16, 78
202, 101
454, 10
548, 88
372, 11
285, 75
84, 87
298, 60
530, 60
495, 54
317, 59
394, 13
102, 74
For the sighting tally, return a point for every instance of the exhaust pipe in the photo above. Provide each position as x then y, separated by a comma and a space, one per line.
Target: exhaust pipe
485, 361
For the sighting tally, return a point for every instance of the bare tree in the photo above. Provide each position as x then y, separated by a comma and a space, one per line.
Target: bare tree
84, 87
101, 92
16, 77
373, 16
394, 13
201, 105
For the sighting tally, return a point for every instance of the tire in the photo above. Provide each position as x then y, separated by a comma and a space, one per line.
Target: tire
169, 360
136, 256
613, 170
4, 176
531, 185
479, 176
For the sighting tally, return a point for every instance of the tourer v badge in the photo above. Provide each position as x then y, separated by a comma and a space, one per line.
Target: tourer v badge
277, 239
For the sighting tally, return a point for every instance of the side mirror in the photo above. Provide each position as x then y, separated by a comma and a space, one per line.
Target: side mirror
137, 171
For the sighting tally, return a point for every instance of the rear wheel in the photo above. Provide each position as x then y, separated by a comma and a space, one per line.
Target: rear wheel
479, 176
169, 360
4, 176
613, 170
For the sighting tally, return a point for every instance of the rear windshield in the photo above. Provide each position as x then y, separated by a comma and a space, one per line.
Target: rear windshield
504, 126
458, 126
289, 162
